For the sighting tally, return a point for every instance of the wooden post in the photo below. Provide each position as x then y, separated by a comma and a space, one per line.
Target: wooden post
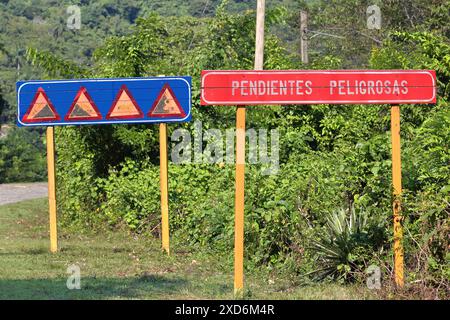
397, 185
52, 188
259, 44
303, 36
240, 163
163, 169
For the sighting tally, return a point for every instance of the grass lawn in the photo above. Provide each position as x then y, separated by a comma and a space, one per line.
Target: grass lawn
117, 265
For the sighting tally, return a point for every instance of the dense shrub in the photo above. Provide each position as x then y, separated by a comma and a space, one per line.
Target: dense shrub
22, 156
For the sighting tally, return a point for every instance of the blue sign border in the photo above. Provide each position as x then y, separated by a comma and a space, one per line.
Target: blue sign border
187, 80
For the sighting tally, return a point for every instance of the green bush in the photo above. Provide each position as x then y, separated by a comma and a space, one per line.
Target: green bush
131, 196
22, 156
347, 244
79, 199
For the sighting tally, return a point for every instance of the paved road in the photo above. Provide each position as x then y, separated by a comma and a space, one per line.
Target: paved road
15, 192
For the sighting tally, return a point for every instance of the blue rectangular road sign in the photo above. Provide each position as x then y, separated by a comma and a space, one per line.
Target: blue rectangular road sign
103, 101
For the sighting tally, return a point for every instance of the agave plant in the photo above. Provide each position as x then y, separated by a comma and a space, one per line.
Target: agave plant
340, 249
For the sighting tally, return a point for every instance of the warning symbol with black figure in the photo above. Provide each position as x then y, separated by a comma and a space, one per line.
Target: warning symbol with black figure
41, 109
83, 108
166, 105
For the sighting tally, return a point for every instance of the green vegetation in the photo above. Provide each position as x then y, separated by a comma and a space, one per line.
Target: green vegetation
120, 265
21, 156
334, 160
342, 248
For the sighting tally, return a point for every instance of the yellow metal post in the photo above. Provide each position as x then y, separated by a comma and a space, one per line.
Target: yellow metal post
397, 185
239, 204
163, 167
240, 163
52, 188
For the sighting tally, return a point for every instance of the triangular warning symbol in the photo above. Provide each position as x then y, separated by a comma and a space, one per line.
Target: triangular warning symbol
124, 106
83, 107
41, 109
166, 105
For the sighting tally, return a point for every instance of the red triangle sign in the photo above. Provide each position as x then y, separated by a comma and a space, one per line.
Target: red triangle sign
124, 106
166, 105
83, 108
41, 109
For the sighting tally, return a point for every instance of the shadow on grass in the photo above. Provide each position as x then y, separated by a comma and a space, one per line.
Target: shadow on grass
26, 251
144, 287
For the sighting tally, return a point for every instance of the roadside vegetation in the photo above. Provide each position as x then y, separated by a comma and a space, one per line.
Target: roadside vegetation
335, 166
123, 265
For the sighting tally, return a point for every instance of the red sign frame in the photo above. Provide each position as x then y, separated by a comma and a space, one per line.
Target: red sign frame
55, 117
124, 88
273, 87
181, 113
84, 91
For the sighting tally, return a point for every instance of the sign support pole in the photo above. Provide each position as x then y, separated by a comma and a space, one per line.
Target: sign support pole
240, 163
52, 188
163, 167
239, 204
397, 185
304, 36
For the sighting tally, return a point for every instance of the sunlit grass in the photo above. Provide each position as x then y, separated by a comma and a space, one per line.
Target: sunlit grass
119, 265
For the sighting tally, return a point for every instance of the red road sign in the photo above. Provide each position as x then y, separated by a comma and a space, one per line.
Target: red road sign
239, 87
